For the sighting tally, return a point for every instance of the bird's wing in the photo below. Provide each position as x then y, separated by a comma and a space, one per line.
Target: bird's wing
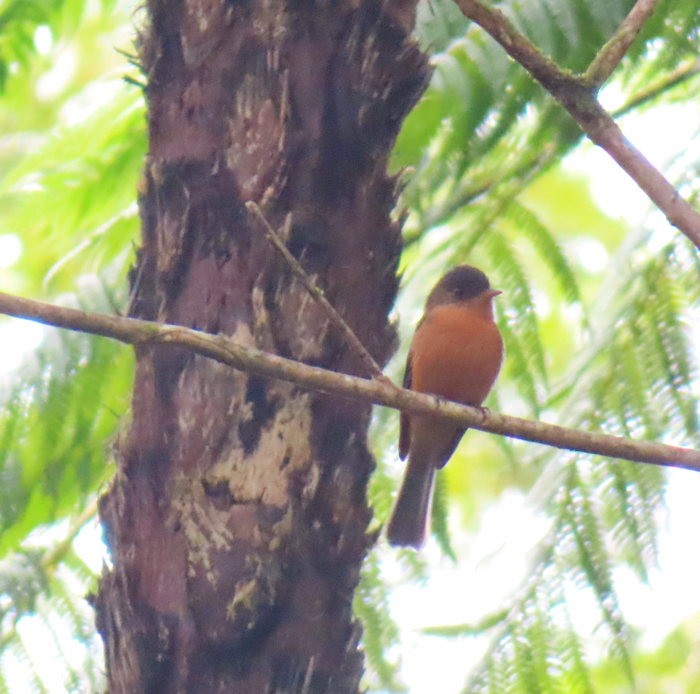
450, 448
405, 427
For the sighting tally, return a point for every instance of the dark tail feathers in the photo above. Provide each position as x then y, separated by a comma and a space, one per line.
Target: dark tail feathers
409, 519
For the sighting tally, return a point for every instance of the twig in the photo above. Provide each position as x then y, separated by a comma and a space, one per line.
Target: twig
544, 158
578, 98
46, 562
669, 81
547, 155
316, 292
56, 554
226, 351
610, 55
522, 174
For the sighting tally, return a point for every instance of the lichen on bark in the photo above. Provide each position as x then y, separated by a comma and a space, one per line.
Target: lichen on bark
237, 519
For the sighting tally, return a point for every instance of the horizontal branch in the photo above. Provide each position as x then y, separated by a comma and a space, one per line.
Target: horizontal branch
249, 359
577, 95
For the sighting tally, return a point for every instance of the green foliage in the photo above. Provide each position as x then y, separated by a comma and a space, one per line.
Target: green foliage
75, 155
452, 630
84, 179
483, 150
371, 605
70, 156
677, 23
38, 596
58, 416
484, 145
439, 519
671, 667
19, 20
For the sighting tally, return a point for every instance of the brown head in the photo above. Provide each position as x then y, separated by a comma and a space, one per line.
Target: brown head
463, 284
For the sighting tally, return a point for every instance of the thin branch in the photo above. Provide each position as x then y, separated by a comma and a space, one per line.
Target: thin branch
577, 96
667, 82
522, 174
524, 171
317, 293
226, 351
47, 563
55, 554
610, 55
493, 21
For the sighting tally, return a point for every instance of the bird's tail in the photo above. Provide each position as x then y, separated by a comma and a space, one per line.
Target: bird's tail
409, 519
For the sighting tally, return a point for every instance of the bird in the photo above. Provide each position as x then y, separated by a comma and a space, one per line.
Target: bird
456, 353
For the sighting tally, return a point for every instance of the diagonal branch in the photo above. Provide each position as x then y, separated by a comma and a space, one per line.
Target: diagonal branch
577, 95
678, 76
610, 55
524, 171
226, 351
317, 293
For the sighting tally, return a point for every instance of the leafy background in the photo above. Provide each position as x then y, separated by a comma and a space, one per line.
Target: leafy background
596, 312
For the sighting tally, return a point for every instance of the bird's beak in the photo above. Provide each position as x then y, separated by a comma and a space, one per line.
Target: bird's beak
493, 292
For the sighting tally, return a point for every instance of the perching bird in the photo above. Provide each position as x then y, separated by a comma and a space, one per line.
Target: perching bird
456, 353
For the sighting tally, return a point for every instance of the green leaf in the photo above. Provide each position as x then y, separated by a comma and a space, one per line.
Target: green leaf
55, 424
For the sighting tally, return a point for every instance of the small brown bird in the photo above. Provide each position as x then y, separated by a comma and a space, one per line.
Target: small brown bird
456, 353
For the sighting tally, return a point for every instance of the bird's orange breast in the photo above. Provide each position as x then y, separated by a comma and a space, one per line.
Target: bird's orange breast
456, 353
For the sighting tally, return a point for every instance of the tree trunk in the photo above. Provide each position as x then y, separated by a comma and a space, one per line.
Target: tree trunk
237, 518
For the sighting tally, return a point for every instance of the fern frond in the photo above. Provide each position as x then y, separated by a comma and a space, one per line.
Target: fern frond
576, 675
439, 525
438, 23
518, 367
511, 275
452, 630
526, 224
83, 177
677, 23
371, 605
56, 417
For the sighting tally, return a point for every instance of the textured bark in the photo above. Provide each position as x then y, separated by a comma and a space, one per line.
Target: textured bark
237, 519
